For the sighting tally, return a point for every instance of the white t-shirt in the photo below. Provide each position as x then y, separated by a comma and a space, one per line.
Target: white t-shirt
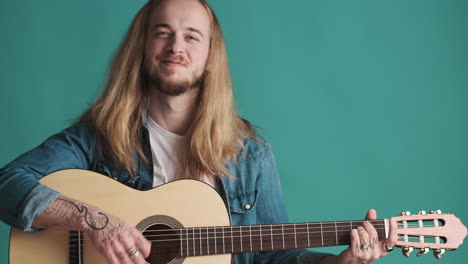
167, 149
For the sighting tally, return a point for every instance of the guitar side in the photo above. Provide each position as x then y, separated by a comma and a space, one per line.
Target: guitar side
191, 203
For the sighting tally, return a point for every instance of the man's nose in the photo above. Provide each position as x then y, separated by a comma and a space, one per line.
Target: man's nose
176, 45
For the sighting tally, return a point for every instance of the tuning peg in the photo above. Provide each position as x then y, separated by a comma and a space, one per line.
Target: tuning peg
406, 251
422, 251
405, 213
438, 253
422, 213
436, 212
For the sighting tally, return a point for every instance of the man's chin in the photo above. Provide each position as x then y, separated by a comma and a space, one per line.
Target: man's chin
173, 90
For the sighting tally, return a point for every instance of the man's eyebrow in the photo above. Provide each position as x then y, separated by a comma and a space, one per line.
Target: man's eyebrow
165, 25
196, 30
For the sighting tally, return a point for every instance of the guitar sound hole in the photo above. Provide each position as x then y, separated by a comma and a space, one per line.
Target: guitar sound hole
165, 245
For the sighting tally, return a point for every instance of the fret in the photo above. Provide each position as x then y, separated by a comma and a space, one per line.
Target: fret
240, 237
246, 238
232, 240
308, 235
186, 231
203, 241
282, 234
227, 240
215, 241
271, 234
211, 234
261, 238
328, 228
336, 234
289, 236
200, 233
295, 236
250, 234
302, 236
181, 239
266, 237
277, 236
207, 241
255, 238
195, 239
219, 240
224, 247
237, 240
321, 232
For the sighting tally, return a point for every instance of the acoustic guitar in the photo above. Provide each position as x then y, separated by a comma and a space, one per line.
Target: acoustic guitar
188, 222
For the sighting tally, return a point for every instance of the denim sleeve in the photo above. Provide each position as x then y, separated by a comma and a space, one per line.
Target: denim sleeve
271, 209
23, 197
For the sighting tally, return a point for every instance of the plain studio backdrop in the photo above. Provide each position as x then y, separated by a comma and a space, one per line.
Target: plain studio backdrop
364, 102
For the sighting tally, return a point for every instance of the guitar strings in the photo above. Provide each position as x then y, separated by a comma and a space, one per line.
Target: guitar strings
219, 229
254, 228
325, 225
233, 246
198, 236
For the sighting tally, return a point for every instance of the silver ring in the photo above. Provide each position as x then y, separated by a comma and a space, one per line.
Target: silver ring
388, 248
365, 246
135, 254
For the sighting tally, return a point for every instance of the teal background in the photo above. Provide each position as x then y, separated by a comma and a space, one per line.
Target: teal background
364, 102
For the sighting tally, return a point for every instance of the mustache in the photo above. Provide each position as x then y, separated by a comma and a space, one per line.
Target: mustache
177, 59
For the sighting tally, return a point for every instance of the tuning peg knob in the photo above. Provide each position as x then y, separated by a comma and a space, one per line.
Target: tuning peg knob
438, 253
405, 213
422, 213
436, 212
422, 251
406, 251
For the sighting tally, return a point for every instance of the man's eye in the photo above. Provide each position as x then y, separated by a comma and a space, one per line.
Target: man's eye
192, 37
162, 34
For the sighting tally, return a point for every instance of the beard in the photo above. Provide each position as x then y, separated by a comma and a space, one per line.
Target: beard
173, 87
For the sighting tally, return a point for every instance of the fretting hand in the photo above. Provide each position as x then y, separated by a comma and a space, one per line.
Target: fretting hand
365, 245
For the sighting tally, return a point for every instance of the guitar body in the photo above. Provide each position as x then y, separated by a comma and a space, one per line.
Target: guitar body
191, 203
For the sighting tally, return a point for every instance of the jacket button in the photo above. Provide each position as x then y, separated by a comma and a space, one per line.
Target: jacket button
247, 206
115, 178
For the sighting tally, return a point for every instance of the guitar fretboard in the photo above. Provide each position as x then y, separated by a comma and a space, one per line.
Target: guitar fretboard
215, 240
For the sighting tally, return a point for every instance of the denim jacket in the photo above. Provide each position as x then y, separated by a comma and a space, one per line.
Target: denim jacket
253, 195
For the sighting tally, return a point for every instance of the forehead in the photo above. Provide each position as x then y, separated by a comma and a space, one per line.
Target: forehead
180, 14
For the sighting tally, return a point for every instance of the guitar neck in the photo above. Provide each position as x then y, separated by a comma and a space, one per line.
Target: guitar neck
215, 240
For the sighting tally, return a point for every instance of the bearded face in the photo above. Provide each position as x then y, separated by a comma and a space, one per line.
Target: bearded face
177, 46
169, 79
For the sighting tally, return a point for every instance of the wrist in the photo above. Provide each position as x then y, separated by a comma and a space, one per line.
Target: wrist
329, 260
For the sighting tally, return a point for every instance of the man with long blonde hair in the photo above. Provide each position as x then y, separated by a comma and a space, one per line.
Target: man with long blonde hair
167, 112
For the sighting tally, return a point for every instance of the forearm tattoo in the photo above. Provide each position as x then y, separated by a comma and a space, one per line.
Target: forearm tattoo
95, 220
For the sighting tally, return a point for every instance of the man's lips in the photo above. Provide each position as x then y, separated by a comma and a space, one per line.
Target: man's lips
173, 63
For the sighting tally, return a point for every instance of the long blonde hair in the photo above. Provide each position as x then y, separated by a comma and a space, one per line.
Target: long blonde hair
216, 132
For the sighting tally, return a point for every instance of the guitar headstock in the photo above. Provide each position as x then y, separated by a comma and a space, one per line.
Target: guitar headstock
436, 231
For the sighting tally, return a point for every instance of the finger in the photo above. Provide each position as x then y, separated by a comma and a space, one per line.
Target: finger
371, 214
120, 253
364, 238
372, 233
355, 242
133, 251
392, 237
108, 253
143, 244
